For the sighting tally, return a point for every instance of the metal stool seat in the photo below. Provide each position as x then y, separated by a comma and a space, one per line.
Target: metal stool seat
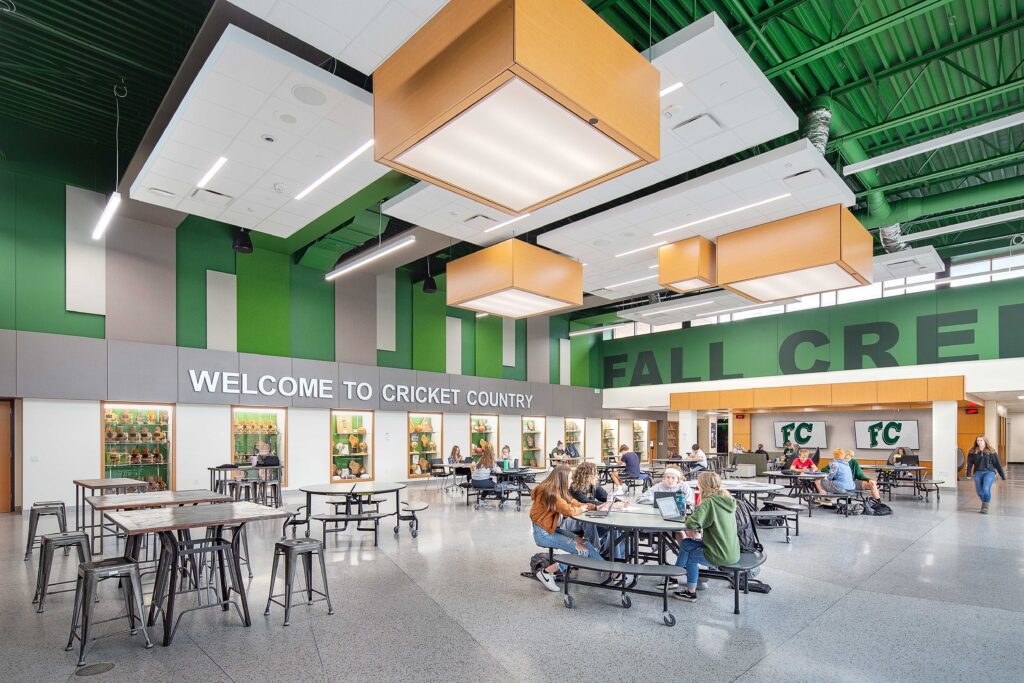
247, 487
42, 509
270, 491
89, 576
294, 549
50, 542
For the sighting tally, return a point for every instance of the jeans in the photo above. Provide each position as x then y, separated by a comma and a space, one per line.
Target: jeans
983, 484
691, 553
560, 539
483, 483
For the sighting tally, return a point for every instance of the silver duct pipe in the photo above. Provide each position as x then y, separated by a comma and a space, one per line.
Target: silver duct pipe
815, 127
891, 237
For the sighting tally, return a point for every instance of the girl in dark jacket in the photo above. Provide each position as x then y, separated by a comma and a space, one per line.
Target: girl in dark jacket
983, 461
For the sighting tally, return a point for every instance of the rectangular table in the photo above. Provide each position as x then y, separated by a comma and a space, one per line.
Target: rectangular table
172, 525
132, 501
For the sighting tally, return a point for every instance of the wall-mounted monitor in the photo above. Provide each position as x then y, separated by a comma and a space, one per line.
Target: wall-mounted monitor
885, 435
803, 434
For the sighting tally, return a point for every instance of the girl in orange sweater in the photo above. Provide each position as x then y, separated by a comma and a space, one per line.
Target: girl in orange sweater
551, 502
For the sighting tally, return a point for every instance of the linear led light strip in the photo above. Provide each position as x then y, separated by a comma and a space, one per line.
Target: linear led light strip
639, 249
510, 221
671, 89
340, 165
966, 225
630, 282
369, 258
212, 172
675, 308
595, 330
108, 213
936, 143
724, 214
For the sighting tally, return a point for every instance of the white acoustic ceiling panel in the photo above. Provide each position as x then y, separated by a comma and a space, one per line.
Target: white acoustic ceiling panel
619, 246
908, 263
280, 122
725, 105
360, 33
688, 308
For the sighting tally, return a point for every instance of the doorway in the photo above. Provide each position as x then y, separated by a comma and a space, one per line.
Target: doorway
6, 456
722, 442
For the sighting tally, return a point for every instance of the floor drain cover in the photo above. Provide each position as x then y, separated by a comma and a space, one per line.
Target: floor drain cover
95, 669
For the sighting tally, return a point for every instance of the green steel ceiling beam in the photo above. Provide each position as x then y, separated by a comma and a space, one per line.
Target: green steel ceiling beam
940, 108
737, 8
866, 31
1001, 161
910, 209
766, 15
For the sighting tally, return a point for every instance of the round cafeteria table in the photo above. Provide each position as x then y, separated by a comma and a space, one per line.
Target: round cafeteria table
752, 489
894, 476
367, 488
797, 481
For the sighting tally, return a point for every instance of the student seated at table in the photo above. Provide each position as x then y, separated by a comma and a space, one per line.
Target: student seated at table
718, 542
671, 482
860, 479
673, 454
738, 448
551, 502
760, 449
455, 456
506, 455
585, 490
485, 468
557, 452
896, 456
840, 476
631, 461
701, 459
802, 462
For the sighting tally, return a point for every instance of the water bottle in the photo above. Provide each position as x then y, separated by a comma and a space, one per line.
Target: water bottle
681, 502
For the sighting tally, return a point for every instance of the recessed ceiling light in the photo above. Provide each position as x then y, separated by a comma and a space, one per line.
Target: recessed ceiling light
267, 137
307, 94
670, 89
630, 282
646, 246
212, 172
285, 117
510, 221
724, 213
340, 165
159, 191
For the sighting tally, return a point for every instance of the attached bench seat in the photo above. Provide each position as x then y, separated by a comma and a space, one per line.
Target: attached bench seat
344, 520
624, 569
927, 486
851, 498
746, 563
408, 514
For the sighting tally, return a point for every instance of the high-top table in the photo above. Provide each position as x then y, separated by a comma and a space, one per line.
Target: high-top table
151, 499
84, 487
366, 488
172, 525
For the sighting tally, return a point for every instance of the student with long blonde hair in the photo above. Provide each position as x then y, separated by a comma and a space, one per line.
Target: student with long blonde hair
719, 543
551, 502
983, 461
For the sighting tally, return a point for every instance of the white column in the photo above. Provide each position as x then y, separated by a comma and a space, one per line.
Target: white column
992, 421
944, 442
687, 430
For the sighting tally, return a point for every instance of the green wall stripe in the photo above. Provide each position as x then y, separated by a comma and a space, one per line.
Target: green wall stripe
201, 245
8, 251
264, 284
428, 327
312, 314
488, 347
401, 357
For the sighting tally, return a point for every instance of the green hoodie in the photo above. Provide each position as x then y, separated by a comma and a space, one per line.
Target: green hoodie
716, 517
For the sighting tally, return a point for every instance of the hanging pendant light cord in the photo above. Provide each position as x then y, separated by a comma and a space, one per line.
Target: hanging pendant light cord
120, 91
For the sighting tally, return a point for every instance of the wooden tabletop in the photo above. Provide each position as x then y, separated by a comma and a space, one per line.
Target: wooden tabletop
129, 501
365, 487
134, 522
96, 484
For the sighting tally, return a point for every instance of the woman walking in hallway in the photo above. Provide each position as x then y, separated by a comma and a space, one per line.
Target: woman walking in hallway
983, 462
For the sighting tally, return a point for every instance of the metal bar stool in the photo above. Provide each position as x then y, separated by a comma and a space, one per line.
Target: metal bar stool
44, 508
89, 576
270, 490
293, 549
50, 542
249, 488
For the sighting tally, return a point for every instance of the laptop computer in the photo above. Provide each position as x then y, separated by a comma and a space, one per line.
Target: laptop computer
670, 512
599, 512
662, 494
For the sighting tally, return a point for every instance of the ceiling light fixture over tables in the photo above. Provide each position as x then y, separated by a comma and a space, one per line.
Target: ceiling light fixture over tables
513, 279
491, 101
687, 265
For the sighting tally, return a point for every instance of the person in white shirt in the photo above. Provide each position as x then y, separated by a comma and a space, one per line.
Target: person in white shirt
671, 481
738, 448
701, 458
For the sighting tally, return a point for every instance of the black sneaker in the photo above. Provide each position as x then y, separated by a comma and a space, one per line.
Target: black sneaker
686, 595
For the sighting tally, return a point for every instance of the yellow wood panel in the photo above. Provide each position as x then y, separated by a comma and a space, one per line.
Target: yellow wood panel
857, 247
690, 259
811, 395
704, 400
679, 402
903, 390
546, 273
736, 398
970, 423
772, 397
946, 388
741, 430
852, 393
482, 272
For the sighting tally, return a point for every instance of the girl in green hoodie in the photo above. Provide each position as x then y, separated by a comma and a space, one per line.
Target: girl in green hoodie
719, 544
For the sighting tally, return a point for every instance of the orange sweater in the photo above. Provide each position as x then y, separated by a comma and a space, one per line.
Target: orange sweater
547, 518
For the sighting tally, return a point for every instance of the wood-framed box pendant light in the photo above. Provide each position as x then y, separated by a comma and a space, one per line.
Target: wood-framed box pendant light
816, 251
687, 265
513, 279
516, 103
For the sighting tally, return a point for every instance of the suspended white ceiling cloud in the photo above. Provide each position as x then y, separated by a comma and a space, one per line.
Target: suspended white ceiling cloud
280, 122
725, 105
618, 245
360, 33
689, 308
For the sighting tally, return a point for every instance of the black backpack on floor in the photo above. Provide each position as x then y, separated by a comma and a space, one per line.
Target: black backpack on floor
876, 508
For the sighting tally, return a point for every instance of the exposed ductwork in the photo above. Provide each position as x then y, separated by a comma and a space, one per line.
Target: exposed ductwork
891, 237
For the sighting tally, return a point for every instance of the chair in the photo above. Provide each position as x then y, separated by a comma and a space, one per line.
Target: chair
245, 489
44, 508
293, 550
439, 472
89, 576
408, 514
50, 543
295, 519
270, 493
743, 567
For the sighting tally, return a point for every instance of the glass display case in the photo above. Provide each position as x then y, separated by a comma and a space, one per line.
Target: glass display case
351, 445
609, 439
257, 432
483, 432
534, 454
640, 445
138, 443
575, 434
424, 433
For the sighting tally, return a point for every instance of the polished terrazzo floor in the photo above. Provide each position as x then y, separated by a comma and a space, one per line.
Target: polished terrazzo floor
933, 592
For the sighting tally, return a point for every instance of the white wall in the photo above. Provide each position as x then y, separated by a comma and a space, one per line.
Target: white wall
944, 419
309, 446
392, 446
839, 429
202, 439
1015, 437
510, 431
456, 433
61, 442
592, 443
554, 431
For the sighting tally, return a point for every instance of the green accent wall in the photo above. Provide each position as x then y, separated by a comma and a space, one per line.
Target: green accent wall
488, 347
264, 283
202, 245
32, 259
401, 357
428, 327
979, 322
311, 314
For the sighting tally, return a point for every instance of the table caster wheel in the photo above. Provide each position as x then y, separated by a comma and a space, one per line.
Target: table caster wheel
396, 529
518, 507
626, 602
415, 533
307, 533
501, 506
669, 619
568, 601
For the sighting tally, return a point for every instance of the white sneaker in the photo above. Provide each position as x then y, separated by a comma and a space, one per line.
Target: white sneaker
621, 490
702, 585
548, 581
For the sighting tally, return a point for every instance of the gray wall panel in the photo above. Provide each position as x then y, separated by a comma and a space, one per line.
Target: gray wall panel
319, 369
8, 363
141, 259
542, 405
258, 365
465, 384
357, 373
355, 318
203, 359
142, 372
396, 376
61, 366
538, 350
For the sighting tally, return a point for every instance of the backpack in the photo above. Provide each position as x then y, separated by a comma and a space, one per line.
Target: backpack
539, 561
745, 528
881, 509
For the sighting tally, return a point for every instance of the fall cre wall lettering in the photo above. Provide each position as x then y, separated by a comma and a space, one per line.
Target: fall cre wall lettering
981, 322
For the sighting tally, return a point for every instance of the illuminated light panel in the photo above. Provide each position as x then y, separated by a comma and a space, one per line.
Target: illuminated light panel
108, 213
212, 172
639, 249
797, 283
361, 261
725, 213
630, 282
337, 167
513, 303
670, 89
508, 222
662, 311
